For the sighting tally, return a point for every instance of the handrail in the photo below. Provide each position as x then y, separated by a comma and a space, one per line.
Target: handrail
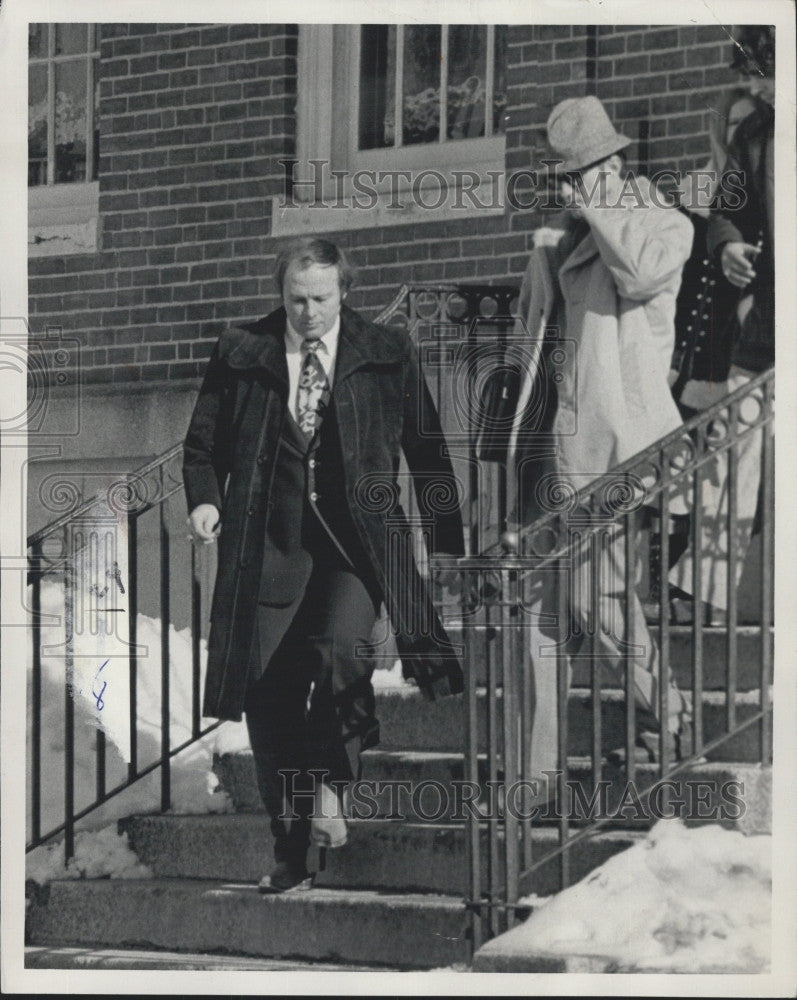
489, 591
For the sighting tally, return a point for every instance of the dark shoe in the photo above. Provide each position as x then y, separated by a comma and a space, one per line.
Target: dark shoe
285, 877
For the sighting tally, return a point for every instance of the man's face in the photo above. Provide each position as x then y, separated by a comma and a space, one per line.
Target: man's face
595, 182
312, 298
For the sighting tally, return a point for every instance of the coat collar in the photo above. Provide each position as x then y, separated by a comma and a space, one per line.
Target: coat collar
261, 345
583, 251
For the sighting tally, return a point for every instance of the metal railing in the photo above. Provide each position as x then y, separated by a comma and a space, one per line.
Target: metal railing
490, 597
88, 561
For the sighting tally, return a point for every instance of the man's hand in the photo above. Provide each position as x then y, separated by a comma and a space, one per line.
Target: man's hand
737, 264
204, 523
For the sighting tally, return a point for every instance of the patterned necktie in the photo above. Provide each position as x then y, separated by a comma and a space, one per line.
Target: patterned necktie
313, 391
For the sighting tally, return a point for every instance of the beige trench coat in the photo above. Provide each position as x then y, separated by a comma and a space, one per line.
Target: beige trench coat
613, 306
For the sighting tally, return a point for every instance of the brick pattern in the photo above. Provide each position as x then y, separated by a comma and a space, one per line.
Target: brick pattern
195, 120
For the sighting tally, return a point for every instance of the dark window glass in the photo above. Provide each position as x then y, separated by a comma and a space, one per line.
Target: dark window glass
37, 125
378, 86
467, 73
421, 91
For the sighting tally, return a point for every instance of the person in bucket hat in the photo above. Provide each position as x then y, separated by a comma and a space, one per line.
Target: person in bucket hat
580, 131
596, 316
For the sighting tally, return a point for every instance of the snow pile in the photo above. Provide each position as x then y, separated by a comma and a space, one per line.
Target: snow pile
684, 899
97, 854
194, 786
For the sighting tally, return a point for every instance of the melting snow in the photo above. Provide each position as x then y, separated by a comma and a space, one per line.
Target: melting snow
97, 854
684, 899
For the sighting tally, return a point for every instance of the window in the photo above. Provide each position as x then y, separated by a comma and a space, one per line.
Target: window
63, 140
382, 100
451, 79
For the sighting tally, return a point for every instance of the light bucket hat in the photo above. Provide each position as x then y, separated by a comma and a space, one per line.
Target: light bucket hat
580, 132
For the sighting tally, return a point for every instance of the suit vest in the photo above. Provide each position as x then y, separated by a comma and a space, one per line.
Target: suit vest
308, 514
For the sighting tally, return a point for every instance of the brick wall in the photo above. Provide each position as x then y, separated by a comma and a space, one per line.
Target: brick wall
194, 120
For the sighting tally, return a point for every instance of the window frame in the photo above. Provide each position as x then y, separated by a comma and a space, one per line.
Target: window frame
63, 217
328, 71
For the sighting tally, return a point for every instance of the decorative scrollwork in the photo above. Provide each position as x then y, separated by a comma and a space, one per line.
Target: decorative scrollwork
488, 306
622, 493
546, 540
751, 409
131, 494
376, 493
718, 431
173, 471
58, 494
555, 493
456, 306
427, 305
441, 495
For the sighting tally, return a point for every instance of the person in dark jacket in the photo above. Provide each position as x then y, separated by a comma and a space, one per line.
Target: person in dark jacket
291, 460
740, 242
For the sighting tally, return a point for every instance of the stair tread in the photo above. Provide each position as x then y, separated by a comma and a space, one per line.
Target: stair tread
360, 826
318, 894
56, 957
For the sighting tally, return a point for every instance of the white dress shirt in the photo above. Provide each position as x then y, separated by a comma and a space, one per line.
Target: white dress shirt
295, 354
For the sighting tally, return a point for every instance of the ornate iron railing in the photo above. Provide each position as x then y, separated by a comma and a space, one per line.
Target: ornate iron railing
88, 562
491, 598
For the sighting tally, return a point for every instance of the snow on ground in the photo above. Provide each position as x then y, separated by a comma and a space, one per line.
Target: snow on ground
684, 899
98, 854
194, 786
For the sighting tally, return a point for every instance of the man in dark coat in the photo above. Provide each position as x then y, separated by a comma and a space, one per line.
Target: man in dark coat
292, 460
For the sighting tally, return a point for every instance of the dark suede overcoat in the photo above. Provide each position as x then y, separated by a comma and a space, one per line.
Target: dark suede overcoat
383, 407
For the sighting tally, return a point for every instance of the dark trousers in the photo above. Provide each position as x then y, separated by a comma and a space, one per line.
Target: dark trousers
313, 691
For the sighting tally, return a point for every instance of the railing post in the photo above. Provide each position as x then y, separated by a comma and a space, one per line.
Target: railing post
472, 765
733, 554
630, 644
69, 705
595, 543
767, 552
697, 617
196, 629
36, 563
165, 665
510, 718
493, 805
562, 690
664, 620
132, 568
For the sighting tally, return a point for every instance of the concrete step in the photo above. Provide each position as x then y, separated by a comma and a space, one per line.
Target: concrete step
748, 644
408, 721
380, 854
44, 957
426, 786
328, 925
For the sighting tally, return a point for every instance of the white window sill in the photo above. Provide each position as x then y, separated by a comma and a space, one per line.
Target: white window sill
370, 211
62, 219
